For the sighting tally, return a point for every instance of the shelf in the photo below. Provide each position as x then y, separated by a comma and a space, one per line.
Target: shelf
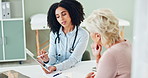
12, 31
16, 10
12, 19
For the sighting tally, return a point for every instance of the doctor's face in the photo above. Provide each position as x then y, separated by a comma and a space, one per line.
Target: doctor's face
63, 17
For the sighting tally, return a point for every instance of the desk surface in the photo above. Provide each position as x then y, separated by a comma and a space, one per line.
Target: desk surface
35, 71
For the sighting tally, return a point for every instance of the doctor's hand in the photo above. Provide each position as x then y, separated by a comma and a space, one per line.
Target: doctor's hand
43, 56
96, 50
50, 68
90, 75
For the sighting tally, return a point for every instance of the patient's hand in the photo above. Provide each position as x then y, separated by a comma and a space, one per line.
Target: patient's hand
96, 50
90, 75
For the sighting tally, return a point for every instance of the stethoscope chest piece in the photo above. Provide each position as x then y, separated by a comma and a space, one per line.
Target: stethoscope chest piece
71, 50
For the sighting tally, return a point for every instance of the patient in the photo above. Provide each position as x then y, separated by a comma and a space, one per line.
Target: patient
104, 31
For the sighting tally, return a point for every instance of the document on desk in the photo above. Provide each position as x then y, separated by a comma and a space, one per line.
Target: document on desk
58, 74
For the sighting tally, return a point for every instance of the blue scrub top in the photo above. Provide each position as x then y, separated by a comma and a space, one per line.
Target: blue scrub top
59, 54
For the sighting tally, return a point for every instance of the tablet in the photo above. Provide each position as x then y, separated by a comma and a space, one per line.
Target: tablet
41, 63
38, 61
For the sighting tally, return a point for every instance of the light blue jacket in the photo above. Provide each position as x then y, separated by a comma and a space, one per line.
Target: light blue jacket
59, 53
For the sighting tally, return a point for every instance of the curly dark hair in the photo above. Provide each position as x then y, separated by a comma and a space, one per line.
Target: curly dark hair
74, 8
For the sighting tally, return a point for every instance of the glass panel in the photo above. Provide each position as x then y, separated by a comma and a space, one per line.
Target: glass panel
1, 43
14, 39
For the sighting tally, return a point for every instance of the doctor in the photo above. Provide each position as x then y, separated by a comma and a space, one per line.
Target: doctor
68, 40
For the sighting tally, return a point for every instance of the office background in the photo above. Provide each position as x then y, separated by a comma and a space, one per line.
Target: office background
122, 8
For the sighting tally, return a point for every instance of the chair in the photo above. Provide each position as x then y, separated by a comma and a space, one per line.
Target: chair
86, 56
39, 22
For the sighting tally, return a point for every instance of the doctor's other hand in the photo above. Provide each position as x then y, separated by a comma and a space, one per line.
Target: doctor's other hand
43, 56
90, 75
50, 68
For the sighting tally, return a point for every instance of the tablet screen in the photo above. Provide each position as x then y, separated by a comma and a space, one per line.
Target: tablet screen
41, 63
38, 61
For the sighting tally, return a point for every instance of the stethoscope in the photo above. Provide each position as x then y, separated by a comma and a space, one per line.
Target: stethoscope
72, 48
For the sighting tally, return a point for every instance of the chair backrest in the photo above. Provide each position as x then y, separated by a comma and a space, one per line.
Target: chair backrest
86, 56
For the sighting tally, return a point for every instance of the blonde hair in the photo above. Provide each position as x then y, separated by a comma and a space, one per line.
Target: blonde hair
104, 22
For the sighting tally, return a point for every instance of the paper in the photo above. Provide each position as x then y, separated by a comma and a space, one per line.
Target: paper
62, 75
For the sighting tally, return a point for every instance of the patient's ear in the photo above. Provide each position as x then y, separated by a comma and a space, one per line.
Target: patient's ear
98, 37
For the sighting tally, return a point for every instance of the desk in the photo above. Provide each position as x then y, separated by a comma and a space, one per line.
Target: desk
122, 24
81, 69
35, 71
